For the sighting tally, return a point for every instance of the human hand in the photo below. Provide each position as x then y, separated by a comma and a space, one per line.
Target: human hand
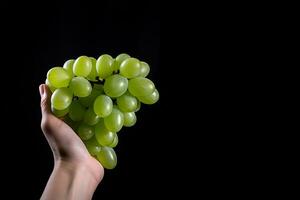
73, 165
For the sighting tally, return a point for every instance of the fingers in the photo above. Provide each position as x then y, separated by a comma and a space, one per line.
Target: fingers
45, 99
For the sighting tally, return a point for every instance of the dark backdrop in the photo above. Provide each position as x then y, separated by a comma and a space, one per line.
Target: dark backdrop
185, 143
38, 36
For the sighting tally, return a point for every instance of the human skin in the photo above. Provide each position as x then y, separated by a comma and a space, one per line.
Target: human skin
76, 174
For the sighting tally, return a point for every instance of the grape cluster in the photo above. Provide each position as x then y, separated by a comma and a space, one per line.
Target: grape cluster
96, 98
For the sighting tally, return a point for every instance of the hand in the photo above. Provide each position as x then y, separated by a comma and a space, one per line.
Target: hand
76, 174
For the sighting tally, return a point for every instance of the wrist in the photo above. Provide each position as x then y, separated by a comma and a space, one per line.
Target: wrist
73, 180
86, 170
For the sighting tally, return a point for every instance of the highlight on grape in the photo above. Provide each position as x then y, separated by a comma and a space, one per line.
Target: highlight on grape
96, 98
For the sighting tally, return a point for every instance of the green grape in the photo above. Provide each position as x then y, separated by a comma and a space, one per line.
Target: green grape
140, 86
145, 69
92, 146
103, 135
114, 121
76, 111
150, 99
90, 117
50, 86
81, 87
119, 59
107, 157
127, 102
68, 66
96, 91
104, 66
58, 77
61, 98
116, 66
103, 105
130, 68
138, 107
85, 131
129, 119
82, 66
59, 113
115, 142
115, 85
93, 74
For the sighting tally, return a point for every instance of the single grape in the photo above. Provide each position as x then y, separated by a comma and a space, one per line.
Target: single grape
145, 69
127, 102
129, 119
138, 107
114, 121
103, 135
90, 117
104, 66
130, 68
96, 91
115, 66
93, 74
59, 113
76, 111
61, 98
92, 146
119, 59
68, 66
115, 85
103, 105
52, 89
115, 142
81, 87
82, 66
85, 131
141, 86
107, 157
150, 99
58, 77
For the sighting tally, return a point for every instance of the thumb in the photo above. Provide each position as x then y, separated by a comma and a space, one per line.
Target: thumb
45, 99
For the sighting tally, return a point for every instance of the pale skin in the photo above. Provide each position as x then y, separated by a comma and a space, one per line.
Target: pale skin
76, 174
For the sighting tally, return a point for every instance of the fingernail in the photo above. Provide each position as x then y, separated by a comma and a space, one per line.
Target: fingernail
42, 90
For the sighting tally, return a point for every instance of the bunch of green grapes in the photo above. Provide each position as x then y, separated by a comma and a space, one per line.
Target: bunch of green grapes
96, 98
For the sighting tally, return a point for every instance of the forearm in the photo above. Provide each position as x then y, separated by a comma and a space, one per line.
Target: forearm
69, 181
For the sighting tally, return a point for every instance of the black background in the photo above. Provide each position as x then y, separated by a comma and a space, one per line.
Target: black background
183, 144
38, 36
